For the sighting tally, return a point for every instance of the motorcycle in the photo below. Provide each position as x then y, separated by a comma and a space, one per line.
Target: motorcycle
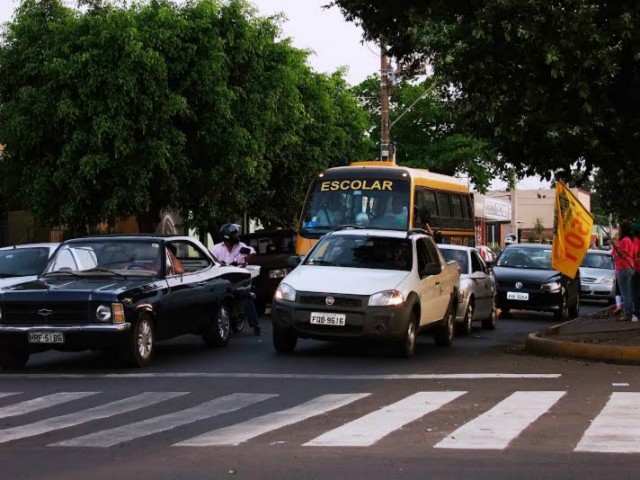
237, 311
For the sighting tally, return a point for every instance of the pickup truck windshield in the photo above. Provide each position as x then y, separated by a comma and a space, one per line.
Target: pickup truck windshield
356, 251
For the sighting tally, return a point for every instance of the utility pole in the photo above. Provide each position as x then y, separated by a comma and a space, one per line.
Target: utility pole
386, 153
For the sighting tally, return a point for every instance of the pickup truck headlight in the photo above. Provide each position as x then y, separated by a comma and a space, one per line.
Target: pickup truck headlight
551, 287
285, 292
278, 273
0, 313
386, 298
103, 313
608, 281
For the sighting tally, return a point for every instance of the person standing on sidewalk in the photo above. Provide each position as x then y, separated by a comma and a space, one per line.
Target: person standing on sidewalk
635, 284
623, 254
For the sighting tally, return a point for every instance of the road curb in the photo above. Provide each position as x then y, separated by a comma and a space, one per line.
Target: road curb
536, 343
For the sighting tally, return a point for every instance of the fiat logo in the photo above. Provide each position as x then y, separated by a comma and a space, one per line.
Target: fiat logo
518, 284
329, 301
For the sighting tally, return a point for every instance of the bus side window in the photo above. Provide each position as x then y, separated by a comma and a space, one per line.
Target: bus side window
456, 202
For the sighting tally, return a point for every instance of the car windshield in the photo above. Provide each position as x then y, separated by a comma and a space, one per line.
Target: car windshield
19, 262
362, 252
459, 256
598, 260
120, 257
521, 257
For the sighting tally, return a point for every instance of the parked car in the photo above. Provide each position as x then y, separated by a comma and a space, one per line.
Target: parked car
368, 284
525, 280
598, 276
273, 250
21, 263
477, 288
119, 293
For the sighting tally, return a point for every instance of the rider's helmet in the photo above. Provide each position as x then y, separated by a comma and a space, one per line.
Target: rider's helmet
229, 232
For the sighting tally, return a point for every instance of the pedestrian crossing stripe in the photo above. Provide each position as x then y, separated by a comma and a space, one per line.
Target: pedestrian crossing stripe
615, 429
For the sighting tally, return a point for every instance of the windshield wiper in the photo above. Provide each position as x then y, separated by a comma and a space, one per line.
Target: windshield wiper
62, 272
104, 270
323, 262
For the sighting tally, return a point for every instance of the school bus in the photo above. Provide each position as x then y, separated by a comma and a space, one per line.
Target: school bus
387, 196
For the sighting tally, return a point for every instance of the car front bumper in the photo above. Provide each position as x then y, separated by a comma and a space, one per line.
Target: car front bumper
374, 323
598, 291
76, 337
538, 300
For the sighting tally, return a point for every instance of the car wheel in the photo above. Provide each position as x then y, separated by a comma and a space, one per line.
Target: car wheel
217, 334
505, 313
238, 322
574, 310
14, 356
444, 334
490, 323
284, 339
562, 311
139, 352
407, 347
465, 327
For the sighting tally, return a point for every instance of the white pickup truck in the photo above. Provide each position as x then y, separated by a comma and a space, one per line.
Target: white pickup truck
370, 284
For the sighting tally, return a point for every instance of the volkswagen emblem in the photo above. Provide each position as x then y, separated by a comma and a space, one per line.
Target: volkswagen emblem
329, 301
518, 284
45, 312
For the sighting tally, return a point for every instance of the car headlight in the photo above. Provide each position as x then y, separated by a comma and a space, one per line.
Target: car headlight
285, 292
551, 287
278, 273
0, 313
608, 281
386, 298
103, 313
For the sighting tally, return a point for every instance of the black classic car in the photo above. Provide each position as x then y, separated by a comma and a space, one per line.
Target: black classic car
120, 293
525, 280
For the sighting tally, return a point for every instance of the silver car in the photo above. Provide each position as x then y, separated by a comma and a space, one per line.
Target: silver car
598, 276
477, 288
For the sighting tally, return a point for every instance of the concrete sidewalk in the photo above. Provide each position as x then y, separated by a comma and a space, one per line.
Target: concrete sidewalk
600, 336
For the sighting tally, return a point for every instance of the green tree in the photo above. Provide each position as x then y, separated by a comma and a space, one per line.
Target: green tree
551, 84
425, 131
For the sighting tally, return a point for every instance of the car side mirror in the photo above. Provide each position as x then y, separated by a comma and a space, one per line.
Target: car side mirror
294, 261
431, 269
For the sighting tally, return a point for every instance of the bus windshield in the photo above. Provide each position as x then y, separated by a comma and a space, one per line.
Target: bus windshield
372, 203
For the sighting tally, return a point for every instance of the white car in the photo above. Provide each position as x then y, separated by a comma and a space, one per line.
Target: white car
598, 276
368, 284
477, 288
23, 263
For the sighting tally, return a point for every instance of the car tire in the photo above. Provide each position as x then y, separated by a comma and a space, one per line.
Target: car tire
505, 313
407, 346
218, 331
284, 339
562, 312
14, 357
464, 328
141, 345
490, 322
574, 310
444, 333
238, 322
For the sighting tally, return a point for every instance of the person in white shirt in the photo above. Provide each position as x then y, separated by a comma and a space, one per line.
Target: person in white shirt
231, 251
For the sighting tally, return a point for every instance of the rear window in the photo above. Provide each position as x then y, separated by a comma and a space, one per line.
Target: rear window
459, 256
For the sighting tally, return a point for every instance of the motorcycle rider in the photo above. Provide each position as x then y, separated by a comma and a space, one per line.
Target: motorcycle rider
232, 251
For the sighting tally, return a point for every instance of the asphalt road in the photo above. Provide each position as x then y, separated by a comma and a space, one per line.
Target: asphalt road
481, 409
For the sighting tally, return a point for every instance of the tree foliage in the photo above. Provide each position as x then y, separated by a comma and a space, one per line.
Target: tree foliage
425, 131
112, 111
552, 84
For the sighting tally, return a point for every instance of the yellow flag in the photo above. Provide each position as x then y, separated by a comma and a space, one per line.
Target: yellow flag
572, 226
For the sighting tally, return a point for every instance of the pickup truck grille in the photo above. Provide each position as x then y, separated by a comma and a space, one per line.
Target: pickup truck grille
337, 301
45, 313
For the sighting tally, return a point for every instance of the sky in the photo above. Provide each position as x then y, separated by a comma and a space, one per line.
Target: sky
334, 43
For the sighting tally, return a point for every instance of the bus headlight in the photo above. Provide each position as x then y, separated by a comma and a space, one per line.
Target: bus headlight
386, 298
285, 292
